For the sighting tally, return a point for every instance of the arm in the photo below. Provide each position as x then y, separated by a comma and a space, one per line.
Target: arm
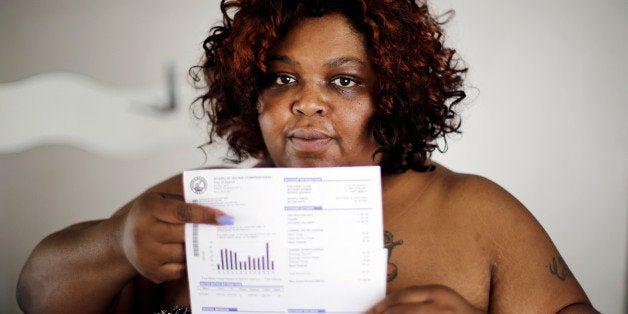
93, 267
80, 268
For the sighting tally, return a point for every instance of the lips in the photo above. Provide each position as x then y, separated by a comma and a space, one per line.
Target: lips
308, 140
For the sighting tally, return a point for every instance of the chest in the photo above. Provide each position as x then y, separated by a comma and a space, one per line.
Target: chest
428, 252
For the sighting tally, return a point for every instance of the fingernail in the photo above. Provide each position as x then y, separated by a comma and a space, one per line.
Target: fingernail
225, 220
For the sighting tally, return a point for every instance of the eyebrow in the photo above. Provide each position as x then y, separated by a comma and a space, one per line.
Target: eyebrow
342, 60
282, 59
333, 63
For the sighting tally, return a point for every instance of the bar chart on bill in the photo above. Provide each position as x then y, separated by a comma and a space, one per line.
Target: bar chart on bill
249, 251
230, 260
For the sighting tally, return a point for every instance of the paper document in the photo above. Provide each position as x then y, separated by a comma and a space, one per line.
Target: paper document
304, 240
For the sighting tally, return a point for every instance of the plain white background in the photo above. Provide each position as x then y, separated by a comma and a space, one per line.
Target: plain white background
548, 123
544, 117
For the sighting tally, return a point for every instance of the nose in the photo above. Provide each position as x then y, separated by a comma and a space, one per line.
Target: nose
310, 101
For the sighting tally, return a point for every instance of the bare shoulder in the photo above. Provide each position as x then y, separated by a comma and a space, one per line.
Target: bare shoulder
482, 200
456, 196
491, 208
172, 185
524, 259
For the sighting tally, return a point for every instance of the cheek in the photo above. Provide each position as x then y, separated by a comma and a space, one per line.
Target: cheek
271, 121
359, 121
272, 110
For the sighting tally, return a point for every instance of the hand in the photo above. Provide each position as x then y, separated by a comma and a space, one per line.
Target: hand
424, 299
153, 234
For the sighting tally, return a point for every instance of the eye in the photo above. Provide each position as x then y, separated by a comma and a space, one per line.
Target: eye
284, 79
344, 82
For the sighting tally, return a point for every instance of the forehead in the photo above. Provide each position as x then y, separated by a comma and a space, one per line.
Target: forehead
327, 37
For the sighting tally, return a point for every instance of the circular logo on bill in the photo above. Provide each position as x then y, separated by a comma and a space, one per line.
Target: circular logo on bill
198, 185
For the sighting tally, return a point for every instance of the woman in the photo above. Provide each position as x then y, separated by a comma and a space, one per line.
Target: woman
326, 83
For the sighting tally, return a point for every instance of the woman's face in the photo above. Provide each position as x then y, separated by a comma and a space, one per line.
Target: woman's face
316, 107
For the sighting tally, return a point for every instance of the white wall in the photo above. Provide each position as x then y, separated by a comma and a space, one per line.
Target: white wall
125, 46
122, 42
547, 121
544, 119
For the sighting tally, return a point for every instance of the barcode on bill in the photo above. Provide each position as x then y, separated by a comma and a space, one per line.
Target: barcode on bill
195, 240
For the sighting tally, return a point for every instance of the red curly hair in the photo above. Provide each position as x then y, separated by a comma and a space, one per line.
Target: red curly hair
420, 79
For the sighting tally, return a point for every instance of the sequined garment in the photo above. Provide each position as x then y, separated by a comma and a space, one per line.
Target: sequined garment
174, 310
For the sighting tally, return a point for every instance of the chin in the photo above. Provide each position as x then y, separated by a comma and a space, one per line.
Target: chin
319, 159
318, 162
309, 164
303, 162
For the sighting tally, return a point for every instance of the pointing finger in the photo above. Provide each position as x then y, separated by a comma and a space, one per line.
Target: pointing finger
172, 209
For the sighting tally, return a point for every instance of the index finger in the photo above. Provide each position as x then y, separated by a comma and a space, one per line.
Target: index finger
172, 208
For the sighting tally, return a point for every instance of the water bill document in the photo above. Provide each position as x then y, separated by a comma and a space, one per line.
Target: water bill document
304, 240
